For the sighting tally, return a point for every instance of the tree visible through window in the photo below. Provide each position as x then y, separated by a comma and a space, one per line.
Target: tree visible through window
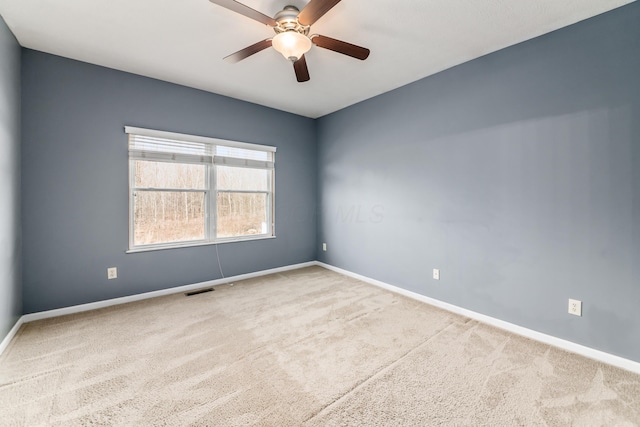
161, 215
242, 201
188, 190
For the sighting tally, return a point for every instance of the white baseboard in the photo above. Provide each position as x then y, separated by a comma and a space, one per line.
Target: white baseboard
591, 353
582, 350
138, 297
12, 333
123, 300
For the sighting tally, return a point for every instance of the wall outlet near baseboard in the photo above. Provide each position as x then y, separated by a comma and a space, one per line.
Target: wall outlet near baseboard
436, 274
575, 307
112, 273
324, 247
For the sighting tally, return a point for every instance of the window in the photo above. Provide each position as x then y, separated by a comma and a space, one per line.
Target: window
188, 190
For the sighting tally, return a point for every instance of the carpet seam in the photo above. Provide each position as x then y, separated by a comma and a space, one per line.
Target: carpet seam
378, 372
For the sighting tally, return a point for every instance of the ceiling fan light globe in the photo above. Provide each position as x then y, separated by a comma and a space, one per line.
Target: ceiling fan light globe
291, 44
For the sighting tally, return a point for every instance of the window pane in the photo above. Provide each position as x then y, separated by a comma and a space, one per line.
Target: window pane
242, 179
241, 214
163, 216
169, 175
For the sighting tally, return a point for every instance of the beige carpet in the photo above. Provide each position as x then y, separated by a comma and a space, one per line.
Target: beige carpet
304, 348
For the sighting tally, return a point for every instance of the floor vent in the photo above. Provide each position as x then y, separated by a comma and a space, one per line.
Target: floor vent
199, 291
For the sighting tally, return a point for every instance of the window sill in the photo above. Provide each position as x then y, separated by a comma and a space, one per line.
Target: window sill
191, 245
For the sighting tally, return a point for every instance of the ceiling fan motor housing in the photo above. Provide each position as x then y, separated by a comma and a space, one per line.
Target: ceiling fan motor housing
287, 20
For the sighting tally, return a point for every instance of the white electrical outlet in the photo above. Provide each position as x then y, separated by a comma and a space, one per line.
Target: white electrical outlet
324, 247
575, 307
436, 274
112, 273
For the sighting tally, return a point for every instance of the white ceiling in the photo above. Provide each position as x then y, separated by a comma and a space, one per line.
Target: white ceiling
184, 41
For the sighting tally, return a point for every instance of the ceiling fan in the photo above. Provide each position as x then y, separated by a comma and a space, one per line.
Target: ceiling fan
292, 38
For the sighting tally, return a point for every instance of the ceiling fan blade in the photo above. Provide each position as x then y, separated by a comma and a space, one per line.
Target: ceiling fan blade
246, 11
339, 46
314, 10
302, 72
248, 51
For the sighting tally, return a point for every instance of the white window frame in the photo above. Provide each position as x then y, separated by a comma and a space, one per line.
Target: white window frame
211, 191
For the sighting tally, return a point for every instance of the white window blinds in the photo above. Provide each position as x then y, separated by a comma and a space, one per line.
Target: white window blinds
160, 149
240, 157
147, 144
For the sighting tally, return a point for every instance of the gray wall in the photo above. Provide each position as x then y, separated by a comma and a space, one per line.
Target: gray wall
10, 281
75, 188
516, 174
